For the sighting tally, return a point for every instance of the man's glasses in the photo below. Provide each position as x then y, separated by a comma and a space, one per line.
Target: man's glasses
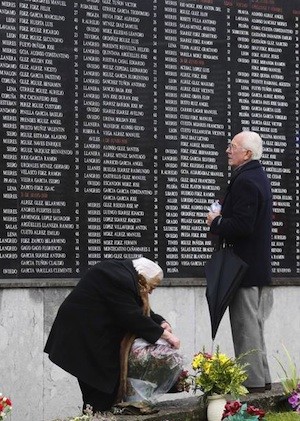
233, 147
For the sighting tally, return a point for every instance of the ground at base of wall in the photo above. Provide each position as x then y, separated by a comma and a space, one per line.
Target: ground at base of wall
194, 409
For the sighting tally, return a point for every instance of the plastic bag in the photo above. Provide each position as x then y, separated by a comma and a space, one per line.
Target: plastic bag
215, 207
152, 370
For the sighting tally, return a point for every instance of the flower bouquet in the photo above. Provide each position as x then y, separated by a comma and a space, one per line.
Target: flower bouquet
236, 411
152, 370
291, 379
182, 383
218, 374
5, 406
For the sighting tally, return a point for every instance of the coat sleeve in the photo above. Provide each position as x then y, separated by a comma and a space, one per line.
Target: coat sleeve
118, 291
156, 317
238, 217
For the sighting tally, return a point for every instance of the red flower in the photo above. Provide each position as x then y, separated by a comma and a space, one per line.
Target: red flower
256, 411
8, 401
231, 408
234, 407
184, 374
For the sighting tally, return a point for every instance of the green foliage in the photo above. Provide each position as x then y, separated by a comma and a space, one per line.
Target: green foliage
291, 380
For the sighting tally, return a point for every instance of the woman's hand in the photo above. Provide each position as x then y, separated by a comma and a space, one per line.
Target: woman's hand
172, 339
166, 326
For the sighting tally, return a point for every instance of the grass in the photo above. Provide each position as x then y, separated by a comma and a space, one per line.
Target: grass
282, 416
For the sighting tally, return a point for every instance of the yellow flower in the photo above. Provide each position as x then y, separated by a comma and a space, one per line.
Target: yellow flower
218, 373
196, 362
207, 367
223, 358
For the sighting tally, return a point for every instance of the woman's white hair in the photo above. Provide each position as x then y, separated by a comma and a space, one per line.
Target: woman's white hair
148, 268
253, 142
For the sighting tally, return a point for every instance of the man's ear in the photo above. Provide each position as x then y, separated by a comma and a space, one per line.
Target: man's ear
248, 155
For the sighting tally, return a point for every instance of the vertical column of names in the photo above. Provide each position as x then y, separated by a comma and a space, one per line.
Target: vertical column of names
228, 71
77, 172
46, 133
89, 128
156, 248
168, 133
297, 135
261, 91
238, 35
271, 40
203, 120
9, 138
127, 115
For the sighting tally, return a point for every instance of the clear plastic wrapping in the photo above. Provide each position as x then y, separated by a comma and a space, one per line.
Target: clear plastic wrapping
152, 370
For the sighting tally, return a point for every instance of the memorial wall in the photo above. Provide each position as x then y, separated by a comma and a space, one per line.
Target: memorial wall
115, 116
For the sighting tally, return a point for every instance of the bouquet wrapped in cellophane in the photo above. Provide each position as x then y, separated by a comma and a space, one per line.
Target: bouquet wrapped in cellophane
152, 370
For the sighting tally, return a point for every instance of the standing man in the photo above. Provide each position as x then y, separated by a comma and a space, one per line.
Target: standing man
245, 222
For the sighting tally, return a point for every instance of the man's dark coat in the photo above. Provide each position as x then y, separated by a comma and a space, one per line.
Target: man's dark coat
247, 221
90, 324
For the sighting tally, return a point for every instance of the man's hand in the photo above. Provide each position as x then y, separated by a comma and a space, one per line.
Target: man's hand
211, 216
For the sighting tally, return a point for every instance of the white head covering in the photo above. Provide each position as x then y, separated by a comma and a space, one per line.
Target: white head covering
147, 268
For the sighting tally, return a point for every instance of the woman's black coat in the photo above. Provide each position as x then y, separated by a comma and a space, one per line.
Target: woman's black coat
90, 324
246, 221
